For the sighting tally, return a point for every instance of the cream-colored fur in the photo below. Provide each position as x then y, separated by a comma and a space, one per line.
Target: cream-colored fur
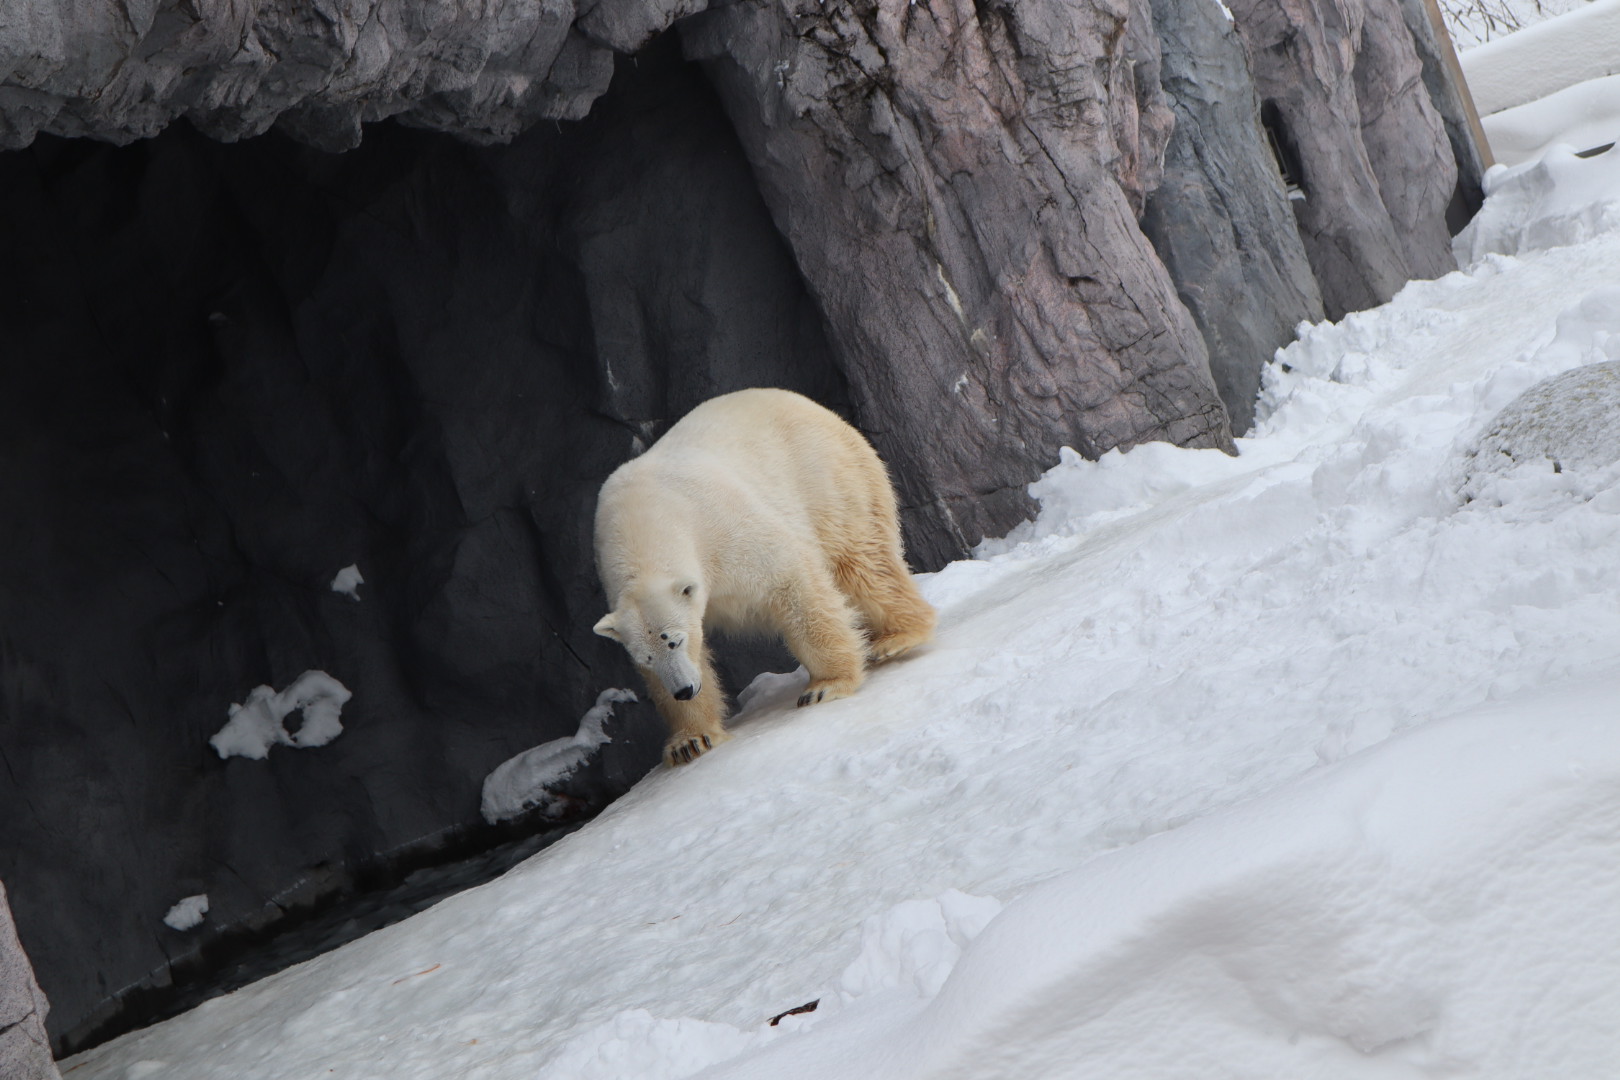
760, 511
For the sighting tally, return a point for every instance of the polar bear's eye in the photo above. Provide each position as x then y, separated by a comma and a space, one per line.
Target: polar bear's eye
687, 591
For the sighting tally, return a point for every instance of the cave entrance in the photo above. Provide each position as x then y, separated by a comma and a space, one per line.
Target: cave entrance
234, 370
1290, 166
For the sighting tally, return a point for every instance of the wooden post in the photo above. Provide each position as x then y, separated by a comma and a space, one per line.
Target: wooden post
1448, 56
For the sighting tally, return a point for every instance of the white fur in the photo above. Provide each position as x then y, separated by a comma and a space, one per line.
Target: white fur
760, 511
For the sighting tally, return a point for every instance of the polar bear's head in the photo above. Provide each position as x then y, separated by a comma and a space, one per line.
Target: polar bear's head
660, 624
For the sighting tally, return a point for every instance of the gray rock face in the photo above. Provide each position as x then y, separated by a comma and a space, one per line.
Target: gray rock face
125, 69
1221, 219
1025, 218
1377, 171
976, 254
627, 25
25, 1052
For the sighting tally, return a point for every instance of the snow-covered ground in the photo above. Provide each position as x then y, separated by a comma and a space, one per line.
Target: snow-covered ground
1303, 763
1556, 81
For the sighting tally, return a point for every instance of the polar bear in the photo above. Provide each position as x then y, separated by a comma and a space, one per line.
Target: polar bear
759, 512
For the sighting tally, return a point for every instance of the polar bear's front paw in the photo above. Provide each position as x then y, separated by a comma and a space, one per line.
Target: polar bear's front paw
821, 690
687, 747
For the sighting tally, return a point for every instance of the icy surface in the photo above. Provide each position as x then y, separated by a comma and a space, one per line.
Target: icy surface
348, 581
187, 914
1302, 763
259, 723
1542, 59
525, 781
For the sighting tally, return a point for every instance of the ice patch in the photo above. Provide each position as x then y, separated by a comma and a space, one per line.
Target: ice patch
188, 913
348, 581
523, 782
259, 723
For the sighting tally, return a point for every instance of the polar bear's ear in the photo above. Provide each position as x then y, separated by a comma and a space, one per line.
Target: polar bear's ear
605, 627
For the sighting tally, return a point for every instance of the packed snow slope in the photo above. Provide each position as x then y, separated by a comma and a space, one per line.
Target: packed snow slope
1300, 763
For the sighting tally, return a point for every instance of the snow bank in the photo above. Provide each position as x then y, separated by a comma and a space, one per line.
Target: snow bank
259, 723
188, 913
525, 781
1435, 906
1585, 116
1558, 200
1545, 58
906, 955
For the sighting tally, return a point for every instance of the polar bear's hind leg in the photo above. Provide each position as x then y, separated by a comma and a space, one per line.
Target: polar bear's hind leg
819, 628
896, 616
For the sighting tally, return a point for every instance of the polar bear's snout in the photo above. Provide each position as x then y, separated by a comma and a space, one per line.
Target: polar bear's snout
676, 670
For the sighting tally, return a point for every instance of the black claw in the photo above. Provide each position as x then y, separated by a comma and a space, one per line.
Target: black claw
707, 745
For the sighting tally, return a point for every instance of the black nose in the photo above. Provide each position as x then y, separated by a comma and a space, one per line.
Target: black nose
684, 694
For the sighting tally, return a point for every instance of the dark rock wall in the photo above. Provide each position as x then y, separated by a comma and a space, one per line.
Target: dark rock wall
230, 371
